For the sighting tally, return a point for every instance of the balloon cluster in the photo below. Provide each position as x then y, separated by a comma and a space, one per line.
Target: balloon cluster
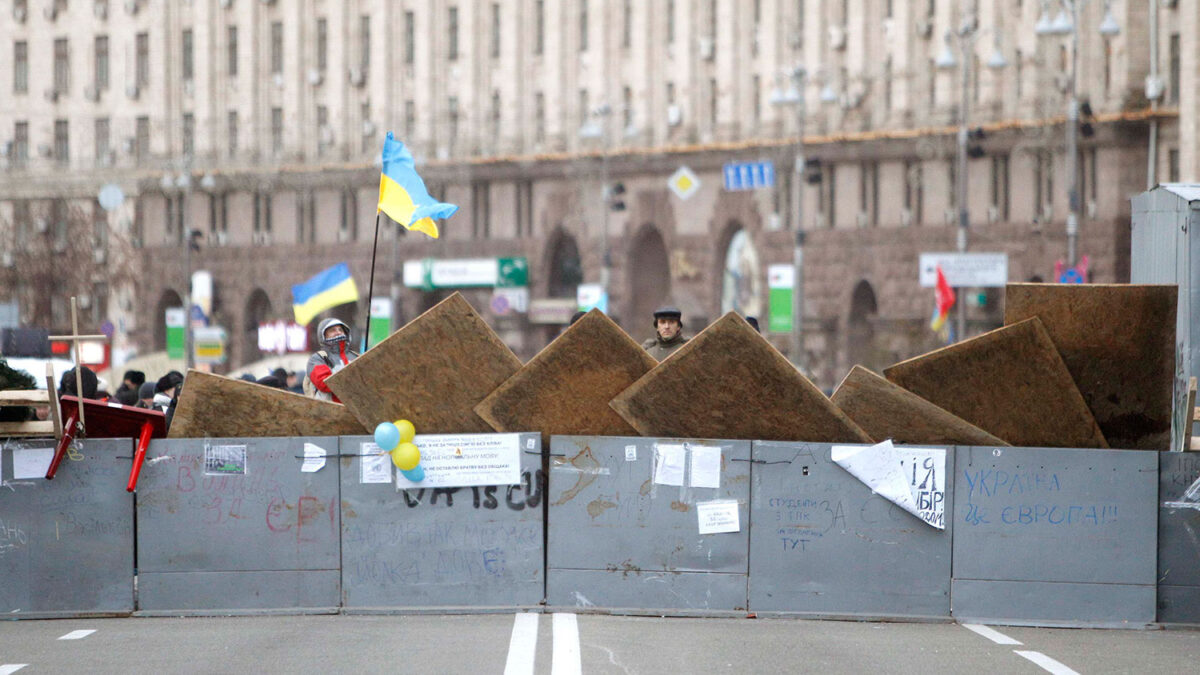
396, 438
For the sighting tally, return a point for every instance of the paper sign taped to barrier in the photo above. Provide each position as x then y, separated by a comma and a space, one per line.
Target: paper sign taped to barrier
31, 462
314, 458
225, 460
631, 453
669, 463
912, 478
466, 460
376, 465
718, 515
706, 466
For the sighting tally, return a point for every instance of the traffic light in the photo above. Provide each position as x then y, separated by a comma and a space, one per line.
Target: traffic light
974, 138
812, 170
616, 197
1086, 117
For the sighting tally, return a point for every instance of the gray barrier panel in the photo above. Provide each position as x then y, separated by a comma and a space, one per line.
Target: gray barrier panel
822, 543
1055, 536
208, 531
1178, 540
66, 545
442, 549
619, 540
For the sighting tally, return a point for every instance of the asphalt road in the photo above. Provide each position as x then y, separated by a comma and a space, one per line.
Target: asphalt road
568, 643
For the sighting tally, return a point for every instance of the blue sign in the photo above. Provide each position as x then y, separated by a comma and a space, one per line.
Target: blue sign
1071, 275
749, 175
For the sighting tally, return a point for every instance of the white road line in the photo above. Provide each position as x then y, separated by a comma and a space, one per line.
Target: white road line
11, 668
991, 634
522, 646
77, 634
566, 646
1048, 664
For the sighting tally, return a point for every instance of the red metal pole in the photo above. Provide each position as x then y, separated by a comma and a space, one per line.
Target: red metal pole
64, 442
139, 455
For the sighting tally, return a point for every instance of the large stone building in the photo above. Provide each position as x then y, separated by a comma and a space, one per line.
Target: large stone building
258, 123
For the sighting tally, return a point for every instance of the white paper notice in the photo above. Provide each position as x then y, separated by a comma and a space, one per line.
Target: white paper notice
376, 465
31, 462
717, 516
466, 460
706, 466
314, 458
631, 453
911, 478
669, 462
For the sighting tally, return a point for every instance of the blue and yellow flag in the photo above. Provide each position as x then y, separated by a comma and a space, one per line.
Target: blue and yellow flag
402, 193
329, 288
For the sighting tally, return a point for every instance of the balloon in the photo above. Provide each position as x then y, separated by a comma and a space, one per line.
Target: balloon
415, 474
406, 456
387, 436
407, 430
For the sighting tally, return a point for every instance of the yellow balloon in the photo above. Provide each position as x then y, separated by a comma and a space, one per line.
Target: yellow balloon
407, 430
406, 456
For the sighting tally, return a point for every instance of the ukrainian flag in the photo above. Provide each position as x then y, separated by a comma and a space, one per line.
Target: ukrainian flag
329, 288
402, 193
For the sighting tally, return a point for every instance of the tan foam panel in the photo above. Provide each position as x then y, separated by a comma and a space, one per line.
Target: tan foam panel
1118, 342
433, 371
1010, 382
729, 382
566, 388
213, 406
884, 411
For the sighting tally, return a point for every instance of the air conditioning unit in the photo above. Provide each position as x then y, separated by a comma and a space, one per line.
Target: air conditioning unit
863, 220
674, 115
357, 78
343, 235
41, 225
132, 7
226, 3
368, 128
19, 14
950, 216
822, 220
52, 95
85, 300
100, 9
277, 80
1154, 87
993, 213
128, 145
315, 77
326, 133
105, 158
51, 11
924, 29
1169, 4
6, 148
889, 27
189, 87
99, 255
267, 2
136, 242
837, 37
44, 150
7, 261
906, 217
1091, 209
60, 245
132, 92
1047, 213
1062, 81
796, 39
91, 93
707, 48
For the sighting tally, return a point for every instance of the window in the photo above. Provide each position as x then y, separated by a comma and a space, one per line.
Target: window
756, 95
20, 67
627, 108
584, 106
364, 114
583, 25
188, 56
1000, 190
349, 204
324, 133
1108, 54
410, 117
231, 132
452, 118
453, 29
1173, 85
364, 42
21, 222
798, 38
143, 59
1173, 165
524, 207
495, 44
100, 63
670, 22
887, 84
276, 47
1018, 75
539, 118
480, 210
142, 150
189, 135
20, 150
322, 44
757, 28
231, 50
62, 66
62, 142
495, 115
712, 102
712, 22
410, 36
276, 131
539, 27
102, 140
627, 24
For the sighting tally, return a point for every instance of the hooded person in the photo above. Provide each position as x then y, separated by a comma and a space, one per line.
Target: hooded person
668, 333
66, 385
145, 394
334, 336
127, 393
166, 389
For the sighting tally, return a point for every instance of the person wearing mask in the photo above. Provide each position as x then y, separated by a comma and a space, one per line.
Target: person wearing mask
668, 329
334, 336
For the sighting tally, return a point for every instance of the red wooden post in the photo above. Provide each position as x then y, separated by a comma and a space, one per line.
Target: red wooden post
139, 455
63, 443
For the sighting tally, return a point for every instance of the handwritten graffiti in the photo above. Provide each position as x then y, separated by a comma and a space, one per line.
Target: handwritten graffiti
486, 497
992, 482
1082, 515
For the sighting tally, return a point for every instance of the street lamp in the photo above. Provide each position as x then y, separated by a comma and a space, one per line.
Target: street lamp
182, 183
794, 96
597, 127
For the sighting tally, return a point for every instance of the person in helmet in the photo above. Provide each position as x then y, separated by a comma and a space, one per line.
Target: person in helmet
334, 336
668, 328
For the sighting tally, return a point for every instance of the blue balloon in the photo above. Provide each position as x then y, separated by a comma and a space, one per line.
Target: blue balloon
387, 436
415, 474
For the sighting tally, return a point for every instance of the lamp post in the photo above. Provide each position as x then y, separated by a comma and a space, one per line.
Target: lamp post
182, 183
794, 96
598, 128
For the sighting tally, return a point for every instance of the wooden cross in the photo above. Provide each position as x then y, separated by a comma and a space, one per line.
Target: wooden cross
76, 338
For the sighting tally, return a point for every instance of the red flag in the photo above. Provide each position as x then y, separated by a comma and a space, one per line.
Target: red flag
944, 297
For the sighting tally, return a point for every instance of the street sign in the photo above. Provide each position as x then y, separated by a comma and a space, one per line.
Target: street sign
110, 197
208, 345
552, 310
749, 175
781, 281
380, 325
684, 183
429, 274
176, 321
965, 270
591, 295
512, 272
506, 301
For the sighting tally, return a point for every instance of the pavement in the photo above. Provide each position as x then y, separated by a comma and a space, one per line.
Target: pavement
563, 644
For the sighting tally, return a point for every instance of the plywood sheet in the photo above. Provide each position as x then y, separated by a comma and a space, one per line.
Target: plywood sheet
434, 371
566, 388
729, 382
884, 410
1118, 342
1010, 382
220, 407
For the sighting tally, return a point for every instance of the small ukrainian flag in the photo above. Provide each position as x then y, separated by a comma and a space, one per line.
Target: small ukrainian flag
329, 288
402, 193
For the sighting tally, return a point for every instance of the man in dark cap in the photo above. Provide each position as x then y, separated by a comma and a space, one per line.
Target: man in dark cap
127, 393
66, 385
668, 329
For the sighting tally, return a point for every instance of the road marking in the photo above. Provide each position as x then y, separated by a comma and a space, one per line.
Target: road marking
991, 634
566, 646
11, 668
1048, 664
522, 646
77, 634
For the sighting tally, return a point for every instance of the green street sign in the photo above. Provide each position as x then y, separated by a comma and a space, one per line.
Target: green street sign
513, 272
176, 325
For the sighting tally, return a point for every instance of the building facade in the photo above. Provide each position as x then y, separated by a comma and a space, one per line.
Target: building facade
258, 124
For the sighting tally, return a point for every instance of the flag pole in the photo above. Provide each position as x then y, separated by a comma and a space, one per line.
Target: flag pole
371, 283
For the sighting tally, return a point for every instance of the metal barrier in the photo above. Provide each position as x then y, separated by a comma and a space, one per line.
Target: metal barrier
234, 525
1178, 539
822, 543
66, 545
621, 541
1048, 536
444, 549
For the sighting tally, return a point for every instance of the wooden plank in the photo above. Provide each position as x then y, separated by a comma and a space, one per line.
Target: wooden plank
13, 429
884, 411
566, 388
1188, 441
55, 404
1010, 382
215, 406
433, 372
18, 397
1118, 342
729, 382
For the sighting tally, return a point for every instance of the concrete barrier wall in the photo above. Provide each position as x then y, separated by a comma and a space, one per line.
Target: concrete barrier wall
66, 545
1178, 539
